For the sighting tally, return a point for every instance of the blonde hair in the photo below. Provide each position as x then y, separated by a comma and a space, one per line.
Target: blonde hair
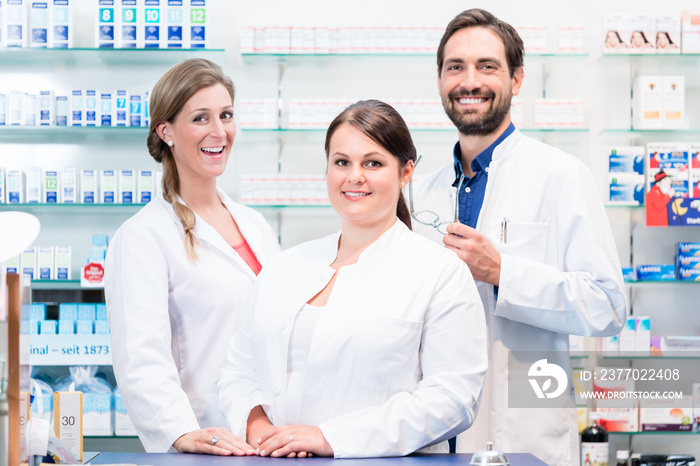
169, 96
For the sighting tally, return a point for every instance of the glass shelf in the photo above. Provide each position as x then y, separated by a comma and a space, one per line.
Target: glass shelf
90, 56
691, 355
44, 134
299, 58
655, 433
109, 208
57, 285
653, 131
71, 208
659, 282
416, 130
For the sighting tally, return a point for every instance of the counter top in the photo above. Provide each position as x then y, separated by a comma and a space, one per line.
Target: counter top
183, 459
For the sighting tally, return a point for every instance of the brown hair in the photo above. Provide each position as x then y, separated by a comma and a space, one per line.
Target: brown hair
476, 17
382, 124
169, 96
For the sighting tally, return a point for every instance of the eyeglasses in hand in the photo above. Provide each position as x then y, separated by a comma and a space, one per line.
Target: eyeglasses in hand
428, 217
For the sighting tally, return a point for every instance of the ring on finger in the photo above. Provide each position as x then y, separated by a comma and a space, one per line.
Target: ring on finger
214, 439
291, 439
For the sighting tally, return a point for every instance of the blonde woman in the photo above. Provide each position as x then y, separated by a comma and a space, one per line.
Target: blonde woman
180, 272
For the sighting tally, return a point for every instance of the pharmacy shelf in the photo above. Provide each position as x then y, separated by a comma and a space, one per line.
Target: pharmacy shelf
58, 285
660, 433
48, 134
648, 283
690, 355
299, 58
652, 131
271, 131
92, 56
70, 350
72, 208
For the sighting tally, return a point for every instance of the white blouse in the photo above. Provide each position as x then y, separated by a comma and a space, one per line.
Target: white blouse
299, 346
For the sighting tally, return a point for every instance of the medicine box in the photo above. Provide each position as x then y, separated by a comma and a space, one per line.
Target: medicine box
106, 24
68, 184
47, 114
16, 26
647, 106
69, 405
28, 262
62, 110
3, 188
108, 187
696, 407
52, 187
175, 24
127, 186
88, 186
663, 415
690, 31
627, 336
153, 22
33, 186
45, 262
30, 109
656, 272
197, 24
128, 35
15, 108
668, 34
106, 108
77, 108
674, 102
135, 110
625, 188
15, 187
91, 97
626, 159
60, 25
38, 24
146, 186
121, 108
62, 263
3, 102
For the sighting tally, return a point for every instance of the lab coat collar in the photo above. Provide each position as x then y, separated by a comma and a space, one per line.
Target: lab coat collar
506, 147
329, 250
206, 232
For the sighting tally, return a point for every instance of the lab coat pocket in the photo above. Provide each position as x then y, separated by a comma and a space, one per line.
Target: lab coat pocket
388, 353
528, 240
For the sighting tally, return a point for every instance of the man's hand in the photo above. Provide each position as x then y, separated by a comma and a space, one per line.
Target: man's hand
476, 251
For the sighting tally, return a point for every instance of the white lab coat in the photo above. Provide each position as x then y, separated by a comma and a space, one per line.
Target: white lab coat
397, 357
560, 275
172, 320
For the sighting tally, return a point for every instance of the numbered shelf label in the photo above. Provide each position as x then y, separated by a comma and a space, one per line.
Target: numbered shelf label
68, 350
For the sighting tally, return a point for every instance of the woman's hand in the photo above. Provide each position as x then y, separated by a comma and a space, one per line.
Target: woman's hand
213, 441
295, 441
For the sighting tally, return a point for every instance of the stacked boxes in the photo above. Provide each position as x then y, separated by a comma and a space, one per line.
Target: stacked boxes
626, 175
68, 186
87, 107
659, 102
688, 261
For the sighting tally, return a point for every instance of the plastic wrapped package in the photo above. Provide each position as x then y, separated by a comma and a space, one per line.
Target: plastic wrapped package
97, 398
42, 404
122, 423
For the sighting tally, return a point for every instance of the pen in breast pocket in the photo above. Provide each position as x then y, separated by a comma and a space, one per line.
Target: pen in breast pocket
504, 230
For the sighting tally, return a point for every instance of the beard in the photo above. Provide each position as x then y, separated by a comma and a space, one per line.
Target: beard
482, 126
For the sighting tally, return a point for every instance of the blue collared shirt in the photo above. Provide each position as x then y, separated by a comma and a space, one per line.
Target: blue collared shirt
471, 194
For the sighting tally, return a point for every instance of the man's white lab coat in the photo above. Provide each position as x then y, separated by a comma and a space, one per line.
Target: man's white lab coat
560, 275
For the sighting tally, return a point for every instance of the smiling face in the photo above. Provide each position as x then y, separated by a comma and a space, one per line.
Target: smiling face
611, 40
637, 39
363, 179
475, 84
202, 135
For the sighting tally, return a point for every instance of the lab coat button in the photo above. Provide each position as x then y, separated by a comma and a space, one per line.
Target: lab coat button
283, 325
276, 391
467, 189
320, 277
